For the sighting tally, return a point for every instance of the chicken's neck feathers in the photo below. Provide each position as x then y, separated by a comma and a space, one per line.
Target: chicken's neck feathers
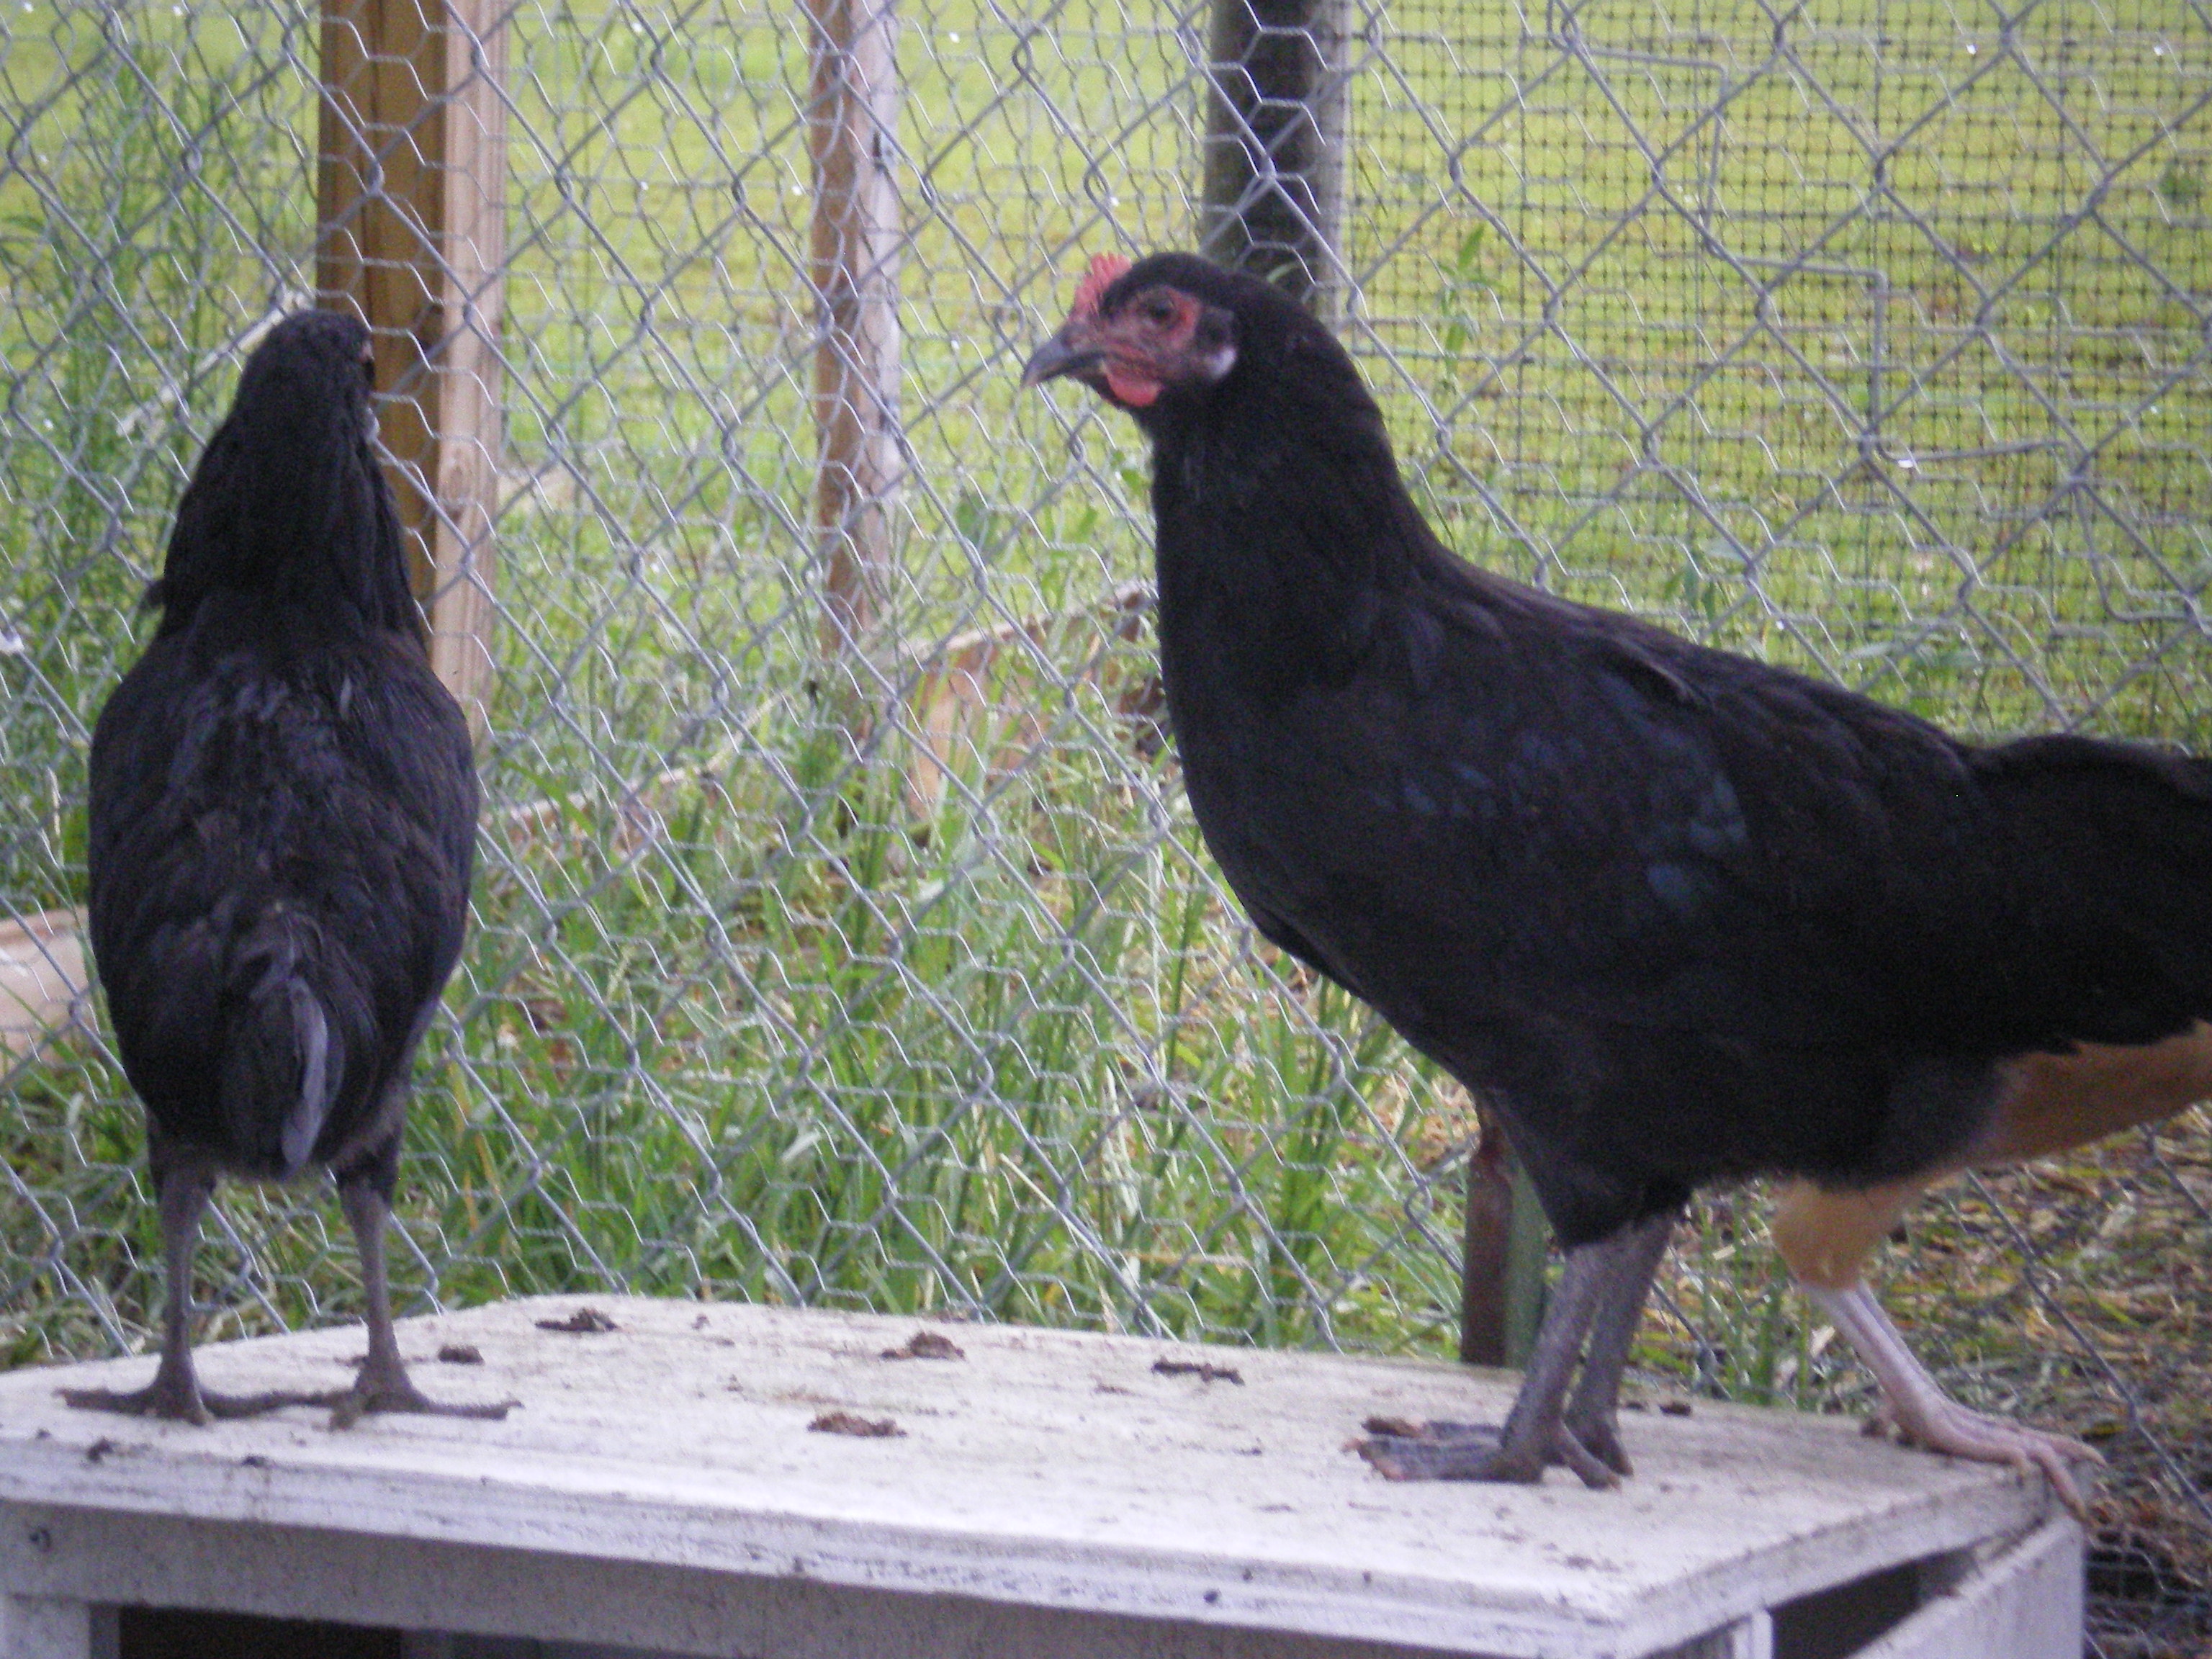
1286, 537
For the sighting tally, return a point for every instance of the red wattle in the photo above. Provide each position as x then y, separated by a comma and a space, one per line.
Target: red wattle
1134, 391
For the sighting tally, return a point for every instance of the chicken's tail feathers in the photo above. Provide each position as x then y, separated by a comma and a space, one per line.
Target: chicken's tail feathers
2125, 807
283, 1058
2116, 847
2059, 759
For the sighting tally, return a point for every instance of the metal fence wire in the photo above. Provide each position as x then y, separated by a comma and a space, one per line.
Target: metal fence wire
1871, 338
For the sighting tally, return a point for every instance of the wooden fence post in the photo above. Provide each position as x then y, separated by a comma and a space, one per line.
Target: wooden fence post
409, 199
851, 123
1502, 1281
1273, 200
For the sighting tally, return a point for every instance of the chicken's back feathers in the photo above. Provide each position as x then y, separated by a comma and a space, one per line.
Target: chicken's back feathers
1682, 914
282, 800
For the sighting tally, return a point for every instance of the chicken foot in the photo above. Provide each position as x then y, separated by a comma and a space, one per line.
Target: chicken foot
382, 1383
175, 1393
1922, 1413
1596, 1306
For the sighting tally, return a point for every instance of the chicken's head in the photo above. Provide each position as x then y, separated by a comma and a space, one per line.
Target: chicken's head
1138, 333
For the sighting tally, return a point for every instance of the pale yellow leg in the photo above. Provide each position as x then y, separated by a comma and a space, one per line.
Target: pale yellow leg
1826, 1237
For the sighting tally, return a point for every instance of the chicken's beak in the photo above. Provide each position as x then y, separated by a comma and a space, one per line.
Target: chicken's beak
1068, 352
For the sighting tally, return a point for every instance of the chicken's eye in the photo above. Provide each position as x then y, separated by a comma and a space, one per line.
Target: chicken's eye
1158, 311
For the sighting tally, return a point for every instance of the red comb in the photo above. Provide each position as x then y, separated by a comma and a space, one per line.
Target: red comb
1104, 270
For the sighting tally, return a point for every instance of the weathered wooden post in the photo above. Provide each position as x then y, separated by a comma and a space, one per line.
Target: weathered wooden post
1502, 1278
411, 190
1273, 200
851, 121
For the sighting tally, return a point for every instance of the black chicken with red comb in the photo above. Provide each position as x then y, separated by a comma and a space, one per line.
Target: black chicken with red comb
1680, 916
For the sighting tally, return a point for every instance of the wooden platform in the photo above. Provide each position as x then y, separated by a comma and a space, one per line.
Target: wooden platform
660, 1488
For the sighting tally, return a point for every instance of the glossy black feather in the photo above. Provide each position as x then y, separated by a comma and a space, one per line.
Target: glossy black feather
282, 800
1679, 914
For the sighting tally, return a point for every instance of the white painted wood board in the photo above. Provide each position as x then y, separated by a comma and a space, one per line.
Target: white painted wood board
40, 1627
1048, 1469
2024, 1604
42, 974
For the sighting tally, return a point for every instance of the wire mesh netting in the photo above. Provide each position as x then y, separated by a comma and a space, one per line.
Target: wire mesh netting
1871, 338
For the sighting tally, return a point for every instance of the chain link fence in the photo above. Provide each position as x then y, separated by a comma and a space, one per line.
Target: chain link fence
1874, 338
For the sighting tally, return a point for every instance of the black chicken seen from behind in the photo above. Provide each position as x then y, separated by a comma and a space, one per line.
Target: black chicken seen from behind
282, 825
